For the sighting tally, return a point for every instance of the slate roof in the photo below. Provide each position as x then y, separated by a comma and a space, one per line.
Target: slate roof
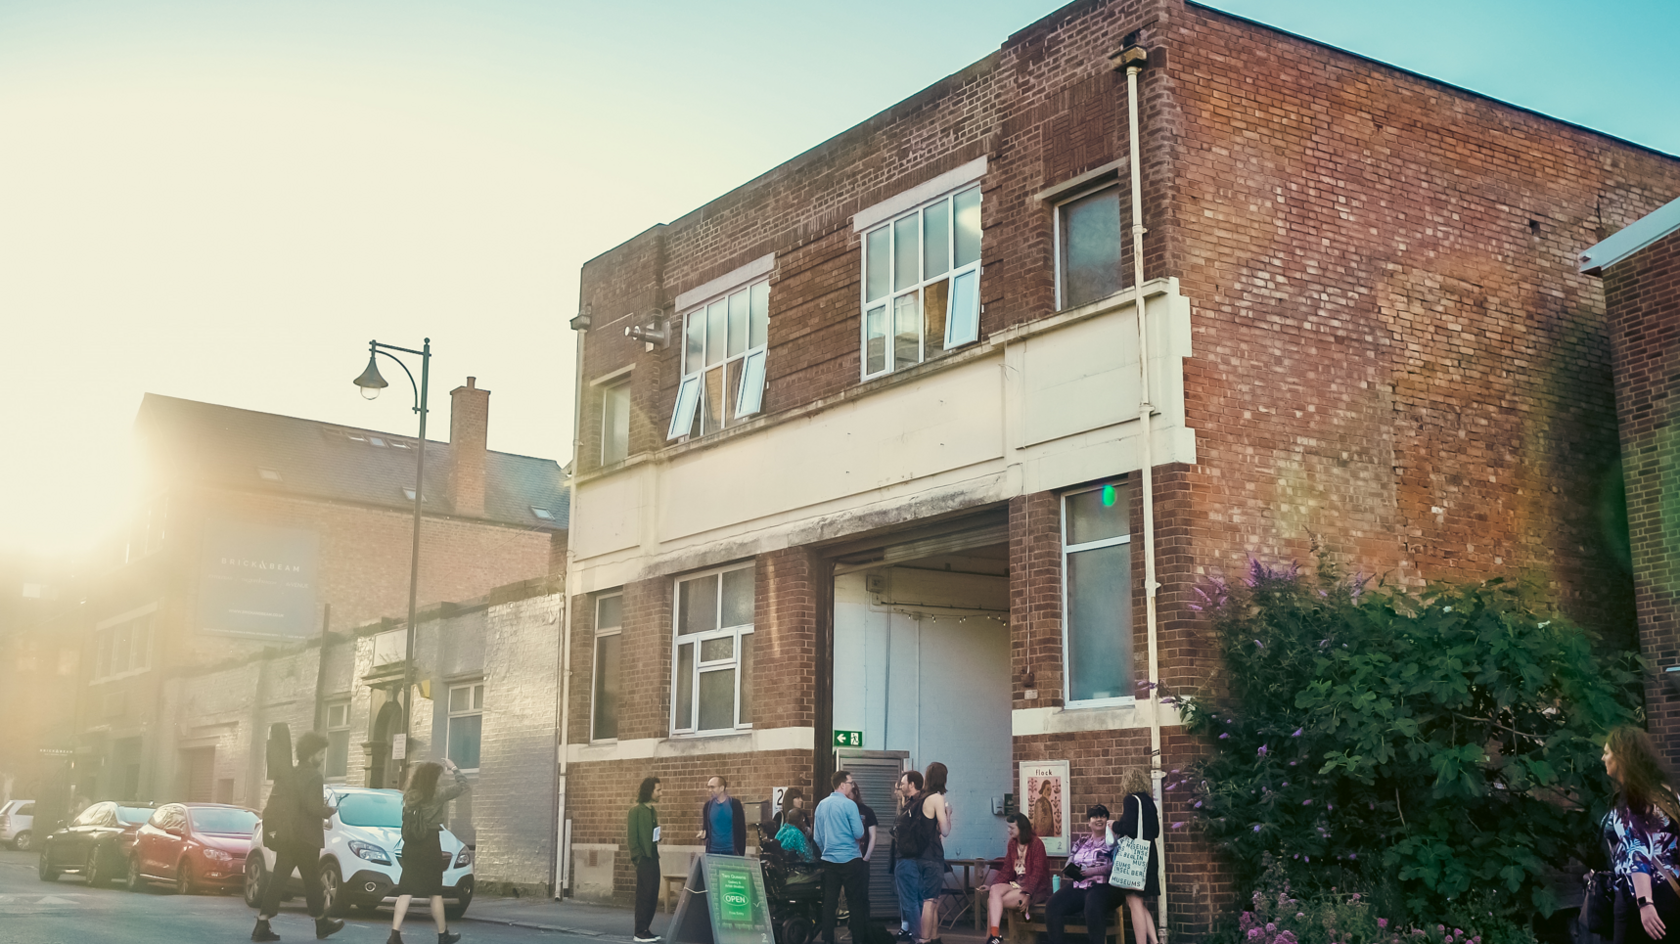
243, 449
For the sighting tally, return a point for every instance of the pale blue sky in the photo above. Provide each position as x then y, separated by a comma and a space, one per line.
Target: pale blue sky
225, 201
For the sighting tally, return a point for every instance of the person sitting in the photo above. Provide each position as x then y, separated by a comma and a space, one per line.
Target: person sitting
1024, 880
1087, 889
795, 836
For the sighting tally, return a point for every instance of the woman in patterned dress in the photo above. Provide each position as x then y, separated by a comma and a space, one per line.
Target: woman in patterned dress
1641, 832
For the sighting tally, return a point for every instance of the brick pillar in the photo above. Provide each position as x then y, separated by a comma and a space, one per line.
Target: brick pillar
469, 425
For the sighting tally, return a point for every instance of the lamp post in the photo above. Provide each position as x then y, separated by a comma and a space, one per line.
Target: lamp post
371, 383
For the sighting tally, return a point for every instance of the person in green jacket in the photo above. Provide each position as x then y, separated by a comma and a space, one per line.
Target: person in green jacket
644, 854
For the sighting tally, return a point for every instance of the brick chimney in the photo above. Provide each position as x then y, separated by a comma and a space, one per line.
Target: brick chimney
469, 424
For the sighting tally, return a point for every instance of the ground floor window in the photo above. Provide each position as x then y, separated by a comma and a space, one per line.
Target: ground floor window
1097, 594
711, 688
338, 740
466, 724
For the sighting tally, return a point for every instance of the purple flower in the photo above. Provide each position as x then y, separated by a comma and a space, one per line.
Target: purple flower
1382, 922
1297, 733
1353, 855
1262, 750
1177, 825
1198, 804
1256, 827
1225, 735
1307, 802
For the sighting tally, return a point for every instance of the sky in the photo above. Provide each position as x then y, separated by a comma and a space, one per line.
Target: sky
226, 201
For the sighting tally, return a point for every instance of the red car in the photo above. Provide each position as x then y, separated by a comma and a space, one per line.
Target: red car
193, 845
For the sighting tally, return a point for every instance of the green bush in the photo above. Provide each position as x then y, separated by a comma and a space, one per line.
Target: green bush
1443, 743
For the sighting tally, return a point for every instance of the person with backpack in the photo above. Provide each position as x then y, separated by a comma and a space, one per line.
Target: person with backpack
907, 876
292, 828
425, 807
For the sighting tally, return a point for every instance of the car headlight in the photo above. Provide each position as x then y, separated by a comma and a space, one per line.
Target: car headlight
464, 859
370, 852
217, 855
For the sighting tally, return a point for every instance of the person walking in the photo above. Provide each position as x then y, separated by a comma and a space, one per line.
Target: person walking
425, 807
838, 830
644, 856
1642, 831
292, 828
1088, 864
1024, 880
935, 810
1137, 808
723, 824
907, 876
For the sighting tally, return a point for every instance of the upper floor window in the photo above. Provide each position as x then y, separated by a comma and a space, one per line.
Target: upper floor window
921, 283
466, 724
609, 635
123, 647
615, 421
338, 740
1089, 263
712, 684
722, 361
1097, 595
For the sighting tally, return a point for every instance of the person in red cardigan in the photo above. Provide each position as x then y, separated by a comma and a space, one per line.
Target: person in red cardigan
1024, 880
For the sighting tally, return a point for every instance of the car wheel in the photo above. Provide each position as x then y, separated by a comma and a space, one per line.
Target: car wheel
455, 909
45, 869
184, 882
135, 881
94, 871
22, 841
254, 878
332, 888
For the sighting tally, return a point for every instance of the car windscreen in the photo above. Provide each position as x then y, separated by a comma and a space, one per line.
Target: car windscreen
371, 809
233, 822
134, 815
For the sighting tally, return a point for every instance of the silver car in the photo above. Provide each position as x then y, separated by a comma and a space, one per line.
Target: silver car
17, 824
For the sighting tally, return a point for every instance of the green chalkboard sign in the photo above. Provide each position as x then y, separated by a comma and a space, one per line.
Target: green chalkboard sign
723, 902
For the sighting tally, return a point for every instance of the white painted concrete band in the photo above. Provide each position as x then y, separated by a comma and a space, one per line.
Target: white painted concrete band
723, 283
919, 194
768, 739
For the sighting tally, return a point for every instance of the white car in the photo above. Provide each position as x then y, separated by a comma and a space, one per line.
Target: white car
17, 824
361, 861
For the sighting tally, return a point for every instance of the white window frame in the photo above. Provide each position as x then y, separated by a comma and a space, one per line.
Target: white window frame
475, 707
957, 334
737, 633
104, 636
595, 657
1070, 196
1068, 700
610, 387
690, 405
342, 727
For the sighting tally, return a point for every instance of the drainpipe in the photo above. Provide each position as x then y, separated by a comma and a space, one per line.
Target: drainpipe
1133, 59
562, 861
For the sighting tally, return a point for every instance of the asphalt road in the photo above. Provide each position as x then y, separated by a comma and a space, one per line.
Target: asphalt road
69, 912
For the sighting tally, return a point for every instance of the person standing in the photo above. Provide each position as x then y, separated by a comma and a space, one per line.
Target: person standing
292, 822
723, 824
1139, 808
792, 799
837, 831
907, 877
1088, 864
644, 856
425, 807
1642, 831
930, 863
866, 845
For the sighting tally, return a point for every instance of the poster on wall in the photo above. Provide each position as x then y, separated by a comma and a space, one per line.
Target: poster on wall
1044, 799
257, 581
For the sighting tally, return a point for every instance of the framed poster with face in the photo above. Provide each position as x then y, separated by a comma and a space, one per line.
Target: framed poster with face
1044, 800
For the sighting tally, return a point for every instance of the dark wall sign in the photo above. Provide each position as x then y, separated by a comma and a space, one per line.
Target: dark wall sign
257, 580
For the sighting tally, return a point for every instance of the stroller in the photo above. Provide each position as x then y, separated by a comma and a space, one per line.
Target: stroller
794, 890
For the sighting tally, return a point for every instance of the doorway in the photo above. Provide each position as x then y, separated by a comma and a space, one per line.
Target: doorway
380, 767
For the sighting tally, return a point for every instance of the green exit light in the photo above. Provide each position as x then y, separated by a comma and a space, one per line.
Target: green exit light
1110, 494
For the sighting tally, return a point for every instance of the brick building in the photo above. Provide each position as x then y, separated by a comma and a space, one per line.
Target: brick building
876, 453
261, 531
1640, 266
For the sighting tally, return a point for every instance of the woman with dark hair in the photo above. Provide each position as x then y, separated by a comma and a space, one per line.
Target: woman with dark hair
1087, 889
1641, 832
644, 856
1024, 880
930, 862
425, 807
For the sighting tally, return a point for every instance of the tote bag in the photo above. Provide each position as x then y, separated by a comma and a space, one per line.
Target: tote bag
1131, 859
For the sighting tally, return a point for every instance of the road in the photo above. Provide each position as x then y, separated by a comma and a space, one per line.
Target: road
69, 912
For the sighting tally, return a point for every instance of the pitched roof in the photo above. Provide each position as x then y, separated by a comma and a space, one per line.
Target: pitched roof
1632, 238
243, 449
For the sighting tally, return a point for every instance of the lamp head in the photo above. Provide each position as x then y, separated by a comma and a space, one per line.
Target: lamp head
370, 382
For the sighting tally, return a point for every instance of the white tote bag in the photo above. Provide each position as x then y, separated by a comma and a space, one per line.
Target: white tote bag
1131, 859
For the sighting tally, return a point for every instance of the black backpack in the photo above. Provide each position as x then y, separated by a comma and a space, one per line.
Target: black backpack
412, 829
911, 832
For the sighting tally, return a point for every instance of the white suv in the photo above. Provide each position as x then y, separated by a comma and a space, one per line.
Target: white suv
362, 858
17, 821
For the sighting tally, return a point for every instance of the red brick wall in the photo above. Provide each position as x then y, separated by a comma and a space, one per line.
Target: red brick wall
1642, 294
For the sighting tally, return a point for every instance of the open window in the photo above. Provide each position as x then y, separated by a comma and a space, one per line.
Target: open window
921, 283
724, 344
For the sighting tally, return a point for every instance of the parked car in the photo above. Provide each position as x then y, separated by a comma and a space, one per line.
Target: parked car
95, 845
361, 861
17, 824
196, 846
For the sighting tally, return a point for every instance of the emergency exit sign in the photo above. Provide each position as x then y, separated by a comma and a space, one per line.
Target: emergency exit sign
848, 739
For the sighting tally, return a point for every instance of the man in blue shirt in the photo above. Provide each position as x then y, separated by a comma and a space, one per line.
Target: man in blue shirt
838, 830
723, 824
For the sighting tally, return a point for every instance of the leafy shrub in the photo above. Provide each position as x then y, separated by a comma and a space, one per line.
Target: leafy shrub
1435, 742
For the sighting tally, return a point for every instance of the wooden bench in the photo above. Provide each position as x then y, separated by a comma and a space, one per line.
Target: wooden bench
1017, 931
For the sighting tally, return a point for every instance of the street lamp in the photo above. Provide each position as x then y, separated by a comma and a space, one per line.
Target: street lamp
371, 383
